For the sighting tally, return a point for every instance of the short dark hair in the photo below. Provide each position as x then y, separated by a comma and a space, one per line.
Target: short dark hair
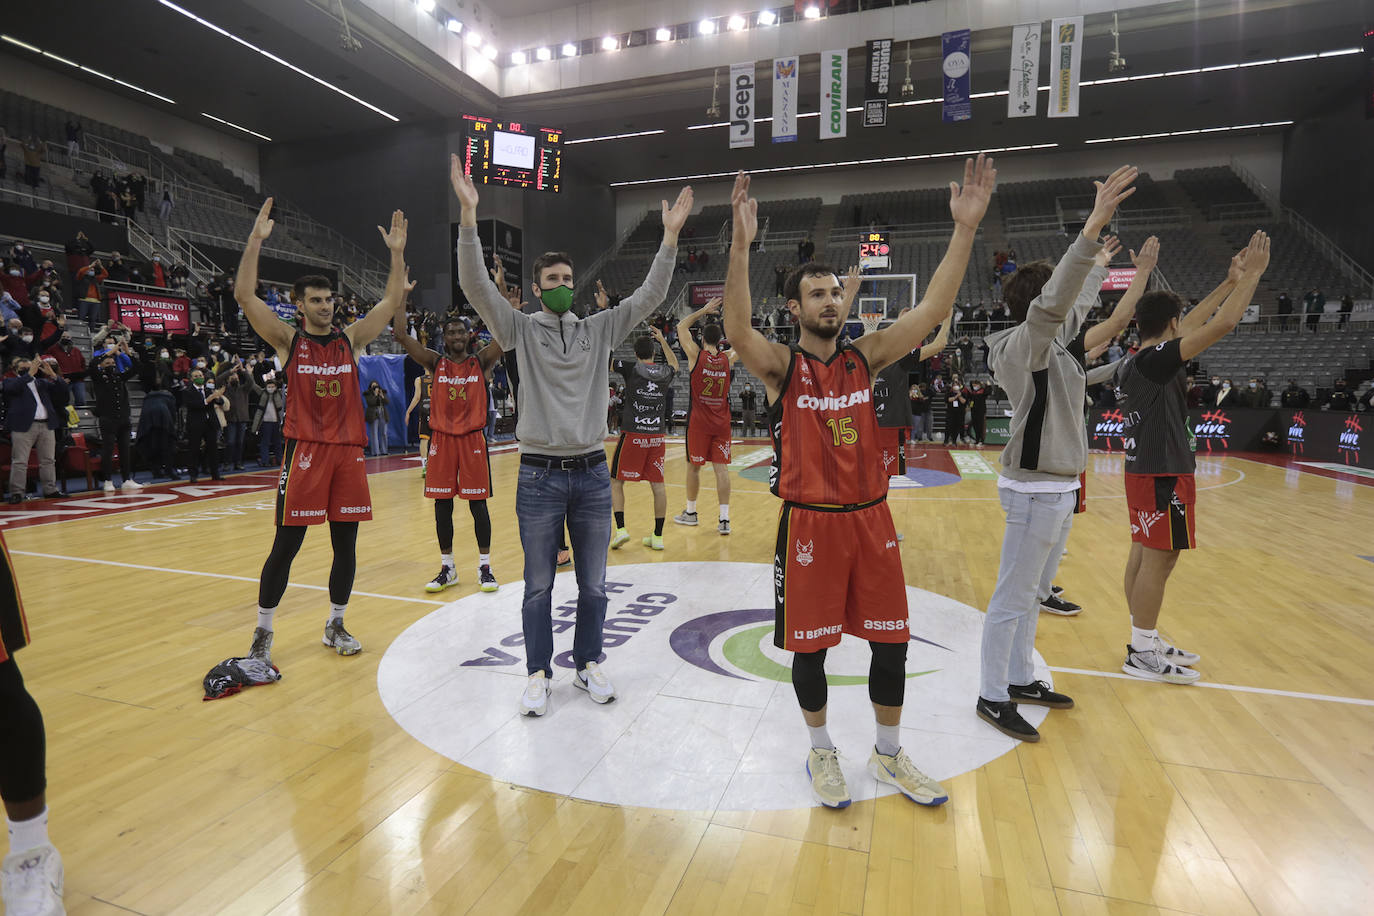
457, 319
712, 334
1020, 289
309, 281
644, 347
1154, 312
792, 288
548, 259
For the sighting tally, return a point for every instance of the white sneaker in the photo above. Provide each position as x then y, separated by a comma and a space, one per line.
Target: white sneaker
109, 486
899, 771
593, 680
1151, 665
827, 779
1174, 654
535, 700
131, 486
31, 882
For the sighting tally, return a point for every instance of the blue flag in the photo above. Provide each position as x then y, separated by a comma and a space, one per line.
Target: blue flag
957, 65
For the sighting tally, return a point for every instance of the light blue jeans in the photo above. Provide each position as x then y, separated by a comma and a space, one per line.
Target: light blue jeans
1037, 528
544, 497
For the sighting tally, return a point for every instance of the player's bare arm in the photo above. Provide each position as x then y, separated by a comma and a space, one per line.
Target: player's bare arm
419, 382
489, 356
684, 329
393, 301
938, 344
853, 281
668, 355
1233, 309
766, 359
426, 357
270, 328
967, 205
1204, 310
1102, 333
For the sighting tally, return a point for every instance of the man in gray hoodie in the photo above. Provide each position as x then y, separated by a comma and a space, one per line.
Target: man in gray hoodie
563, 403
1043, 458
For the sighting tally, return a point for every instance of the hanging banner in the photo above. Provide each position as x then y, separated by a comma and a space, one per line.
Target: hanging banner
876, 82
1022, 82
834, 90
1066, 57
741, 105
785, 100
957, 106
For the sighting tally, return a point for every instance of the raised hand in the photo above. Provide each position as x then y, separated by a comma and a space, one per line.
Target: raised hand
1149, 255
396, 238
1110, 194
1111, 247
462, 184
498, 273
746, 212
675, 216
1237, 268
967, 204
852, 281
1098, 350
603, 298
1257, 254
712, 307
262, 226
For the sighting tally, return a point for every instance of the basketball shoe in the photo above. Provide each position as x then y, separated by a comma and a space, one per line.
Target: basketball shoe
262, 644
827, 779
1154, 665
447, 578
486, 579
724, 526
339, 639
31, 882
686, 518
898, 770
620, 538
654, 542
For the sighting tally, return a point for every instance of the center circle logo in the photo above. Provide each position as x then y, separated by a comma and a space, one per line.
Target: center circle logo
705, 717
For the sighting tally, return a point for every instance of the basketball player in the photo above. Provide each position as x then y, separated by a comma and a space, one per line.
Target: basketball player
1160, 491
424, 389
836, 568
562, 431
458, 442
708, 412
323, 477
31, 876
639, 451
1038, 362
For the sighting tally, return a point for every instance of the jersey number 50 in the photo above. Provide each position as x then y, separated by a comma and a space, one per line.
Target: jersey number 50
327, 389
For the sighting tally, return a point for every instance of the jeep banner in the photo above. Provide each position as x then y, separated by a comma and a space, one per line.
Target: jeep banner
153, 313
741, 105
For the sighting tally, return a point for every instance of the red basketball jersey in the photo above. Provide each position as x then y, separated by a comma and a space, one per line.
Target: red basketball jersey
825, 448
458, 401
323, 401
710, 387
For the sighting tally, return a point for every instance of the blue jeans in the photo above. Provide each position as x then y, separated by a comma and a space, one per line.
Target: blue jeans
90, 311
376, 436
269, 441
233, 441
1037, 527
544, 497
78, 387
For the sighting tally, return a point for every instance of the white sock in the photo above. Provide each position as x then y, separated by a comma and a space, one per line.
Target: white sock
691, 507
1143, 640
483, 559
889, 741
447, 559
336, 612
725, 512
820, 737
26, 835
265, 615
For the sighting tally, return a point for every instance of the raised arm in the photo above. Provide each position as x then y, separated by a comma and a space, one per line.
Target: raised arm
393, 302
1102, 332
423, 355
637, 306
967, 204
419, 381
938, 344
1204, 310
668, 355
767, 360
490, 302
1233, 309
684, 329
853, 281
489, 356
275, 332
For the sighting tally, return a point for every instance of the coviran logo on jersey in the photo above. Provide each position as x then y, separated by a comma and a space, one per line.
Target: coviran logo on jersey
685, 644
1297, 425
1349, 442
1214, 426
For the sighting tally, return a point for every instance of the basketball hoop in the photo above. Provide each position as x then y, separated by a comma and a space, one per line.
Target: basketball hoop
871, 320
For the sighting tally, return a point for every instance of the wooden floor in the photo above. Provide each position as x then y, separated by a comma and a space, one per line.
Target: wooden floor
307, 797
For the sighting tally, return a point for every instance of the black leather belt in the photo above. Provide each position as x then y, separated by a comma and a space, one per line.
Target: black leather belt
570, 463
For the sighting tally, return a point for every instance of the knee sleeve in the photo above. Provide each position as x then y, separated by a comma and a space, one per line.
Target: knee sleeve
443, 524
808, 679
887, 673
344, 538
23, 774
277, 569
481, 524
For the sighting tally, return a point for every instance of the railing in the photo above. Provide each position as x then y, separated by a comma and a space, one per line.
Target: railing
1157, 216
594, 268
1023, 225
187, 253
1251, 210
723, 238
903, 232
40, 202
1160, 281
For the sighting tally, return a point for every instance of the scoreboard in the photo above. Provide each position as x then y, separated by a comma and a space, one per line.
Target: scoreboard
874, 251
512, 155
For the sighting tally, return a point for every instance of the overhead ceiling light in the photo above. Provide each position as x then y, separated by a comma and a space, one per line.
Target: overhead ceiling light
812, 12
737, 23
473, 39
236, 126
517, 58
706, 27
1185, 133
663, 35
71, 63
455, 26
610, 43
544, 54
489, 52
23, 44
569, 50
61, 60
638, 133
426, 6
275, 59
767, 17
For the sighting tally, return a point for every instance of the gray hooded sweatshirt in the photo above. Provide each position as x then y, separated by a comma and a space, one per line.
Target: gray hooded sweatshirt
563, 395
1039, 364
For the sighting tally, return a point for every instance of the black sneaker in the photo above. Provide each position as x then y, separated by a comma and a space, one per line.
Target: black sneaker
1056, 590
1004, 717
486, 580
1038, 693
1056, 605
447, 578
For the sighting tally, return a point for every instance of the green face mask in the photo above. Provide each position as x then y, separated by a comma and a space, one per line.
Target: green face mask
557, 300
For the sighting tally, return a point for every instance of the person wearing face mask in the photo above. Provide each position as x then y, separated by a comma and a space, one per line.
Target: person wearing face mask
16, 282
562, 431
1209, 398
24, 258
1256, 394
199, 398
1294, 397
110, 384
71, 364
268, 407
233, 382
1340, 398
87, 293
34, 398
1226, 395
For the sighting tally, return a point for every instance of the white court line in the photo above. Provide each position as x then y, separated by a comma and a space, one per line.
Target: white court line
1297, 695
210, 575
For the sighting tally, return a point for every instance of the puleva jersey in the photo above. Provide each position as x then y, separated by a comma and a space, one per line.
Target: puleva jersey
710, 387
323, 402
825, 433
458, 401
